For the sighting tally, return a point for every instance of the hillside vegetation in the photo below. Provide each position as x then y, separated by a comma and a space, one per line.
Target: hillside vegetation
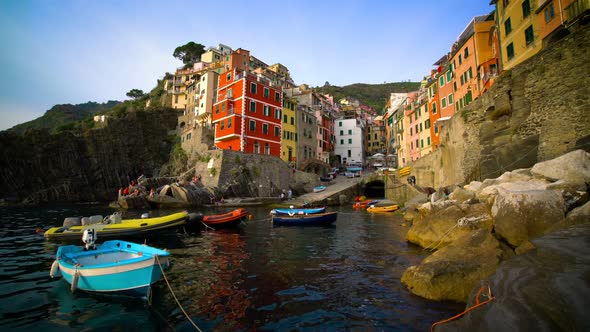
374, 95
62, 115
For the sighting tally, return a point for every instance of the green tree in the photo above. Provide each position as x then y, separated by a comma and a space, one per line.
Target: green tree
189, 52
135, 93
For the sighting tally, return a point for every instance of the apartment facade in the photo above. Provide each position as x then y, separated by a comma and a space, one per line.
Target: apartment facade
519, 30
289, 131
349, 136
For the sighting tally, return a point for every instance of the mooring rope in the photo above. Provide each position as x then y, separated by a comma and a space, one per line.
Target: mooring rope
476, 305
174, 295
207, 226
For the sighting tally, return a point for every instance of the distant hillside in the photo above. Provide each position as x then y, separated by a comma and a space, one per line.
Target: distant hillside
374, 95
63, 114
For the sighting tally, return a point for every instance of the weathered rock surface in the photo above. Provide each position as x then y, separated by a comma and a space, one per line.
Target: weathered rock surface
573, 166
546, 289
453, 271
461, 195
520, 215
438, 227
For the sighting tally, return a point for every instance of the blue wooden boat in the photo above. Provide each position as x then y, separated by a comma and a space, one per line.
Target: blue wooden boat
114, 267
325, 218
294, 211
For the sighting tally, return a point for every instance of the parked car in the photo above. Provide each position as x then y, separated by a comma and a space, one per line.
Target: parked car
349, 174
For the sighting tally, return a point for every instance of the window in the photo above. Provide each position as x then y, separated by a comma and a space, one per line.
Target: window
341, 132
229, 123
427, 124
265, 128
450, 99
510, 51
529, 35
253, 106
266, 148
266, 110
434, 108
341, 142
421, 127
277, 131
441, 81
349, 131
340, 124
462, 82
470, 73
422, 143
228, 76
443, 102
412, 145
549, 13
285, 118
266, 93
454, 86
221, 125
278, 113
223, 107
252, 125
350, 141
507, 27
436, 129
292, 120
253, 88
466, 53
526, 8
217, 109
349, 154
428, 140
411, 132
460, 59
230, 93
277, 96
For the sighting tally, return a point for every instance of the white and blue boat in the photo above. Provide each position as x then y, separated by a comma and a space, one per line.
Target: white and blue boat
318, 189
114, 267
293, 211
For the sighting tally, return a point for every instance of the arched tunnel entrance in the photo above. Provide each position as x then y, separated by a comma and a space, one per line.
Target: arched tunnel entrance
374, 189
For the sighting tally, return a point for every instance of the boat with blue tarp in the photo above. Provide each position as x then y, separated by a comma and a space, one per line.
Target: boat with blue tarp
317, 219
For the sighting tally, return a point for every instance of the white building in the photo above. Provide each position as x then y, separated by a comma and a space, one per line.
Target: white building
349, 145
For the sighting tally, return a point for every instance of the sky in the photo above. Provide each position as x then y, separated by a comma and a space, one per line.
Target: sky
59, 52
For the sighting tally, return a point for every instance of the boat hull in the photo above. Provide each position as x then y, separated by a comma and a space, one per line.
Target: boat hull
129, 227
318, 219
116, 267
391, 208
295, 211
226, 220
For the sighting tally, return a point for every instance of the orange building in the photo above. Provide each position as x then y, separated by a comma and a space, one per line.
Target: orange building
247, 114
554, 14
471, 51
432, 92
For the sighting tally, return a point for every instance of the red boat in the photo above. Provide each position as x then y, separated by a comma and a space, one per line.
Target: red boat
230, 219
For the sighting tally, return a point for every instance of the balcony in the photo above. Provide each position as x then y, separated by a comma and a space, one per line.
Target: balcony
488, 75
576, 9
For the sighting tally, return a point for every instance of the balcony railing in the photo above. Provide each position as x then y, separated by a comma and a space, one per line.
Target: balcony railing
489, 75
576, 9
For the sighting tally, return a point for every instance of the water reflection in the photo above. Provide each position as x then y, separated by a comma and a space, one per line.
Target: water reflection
258, 277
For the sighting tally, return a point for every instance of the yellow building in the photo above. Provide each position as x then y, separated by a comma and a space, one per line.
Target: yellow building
519, 30
376, 136
289, 128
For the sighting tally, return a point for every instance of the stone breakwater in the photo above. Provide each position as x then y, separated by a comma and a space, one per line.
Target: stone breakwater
485, 224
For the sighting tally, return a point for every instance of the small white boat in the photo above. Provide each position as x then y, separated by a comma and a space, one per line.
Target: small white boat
319, 188
114, 267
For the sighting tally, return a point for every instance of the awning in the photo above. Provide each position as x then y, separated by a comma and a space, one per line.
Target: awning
444, 118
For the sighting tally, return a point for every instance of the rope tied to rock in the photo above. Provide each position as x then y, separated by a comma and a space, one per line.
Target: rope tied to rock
462, 222
476, 305
174, 295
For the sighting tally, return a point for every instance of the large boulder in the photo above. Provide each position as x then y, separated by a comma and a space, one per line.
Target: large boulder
573, 166
522, 214
440, 227
461, 195
452, 272
545, 289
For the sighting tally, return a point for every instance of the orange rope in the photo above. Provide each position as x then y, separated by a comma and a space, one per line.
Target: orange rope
477, 304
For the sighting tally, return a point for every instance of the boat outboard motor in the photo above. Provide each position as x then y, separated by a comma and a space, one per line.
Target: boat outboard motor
89, 237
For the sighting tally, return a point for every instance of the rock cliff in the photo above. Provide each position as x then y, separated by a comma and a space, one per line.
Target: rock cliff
84, 165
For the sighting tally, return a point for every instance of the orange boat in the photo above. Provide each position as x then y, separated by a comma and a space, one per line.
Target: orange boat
230, 219
363, 204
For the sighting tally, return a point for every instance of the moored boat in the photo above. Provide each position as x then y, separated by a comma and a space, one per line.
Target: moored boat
293, 211
319, 188
316, 219
364, 204
383, 206
114, 267
115, 226
225, 220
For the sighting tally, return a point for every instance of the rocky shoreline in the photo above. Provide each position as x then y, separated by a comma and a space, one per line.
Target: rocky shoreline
483, 227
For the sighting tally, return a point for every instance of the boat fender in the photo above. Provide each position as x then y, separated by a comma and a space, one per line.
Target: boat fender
75, 278
145, 215
72, 221
54, 269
